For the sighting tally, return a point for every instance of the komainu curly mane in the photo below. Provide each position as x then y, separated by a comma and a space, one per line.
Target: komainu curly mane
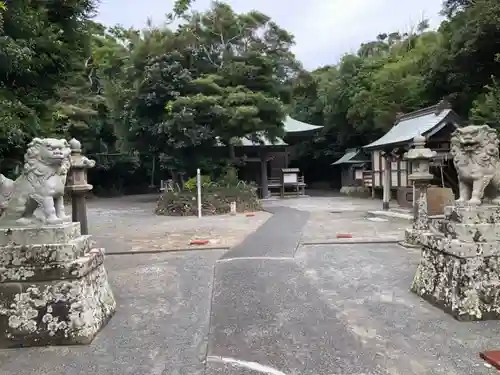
41, 183
476, 158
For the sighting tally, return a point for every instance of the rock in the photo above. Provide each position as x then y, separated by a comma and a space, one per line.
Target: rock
53, 287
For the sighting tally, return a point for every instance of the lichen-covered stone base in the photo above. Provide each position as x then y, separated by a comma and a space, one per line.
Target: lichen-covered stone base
51, 293
459, 270
411, 238
61, 312
466, 288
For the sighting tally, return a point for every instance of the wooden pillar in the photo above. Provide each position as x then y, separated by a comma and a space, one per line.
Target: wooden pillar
386, 183
263, 174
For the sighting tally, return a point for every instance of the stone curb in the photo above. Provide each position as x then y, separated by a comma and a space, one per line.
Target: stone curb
159, 251
407, 245
350, 241
391, 214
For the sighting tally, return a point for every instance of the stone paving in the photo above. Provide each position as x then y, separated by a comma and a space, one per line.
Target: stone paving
270, 305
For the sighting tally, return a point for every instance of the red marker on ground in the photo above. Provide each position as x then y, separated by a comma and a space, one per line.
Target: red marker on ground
344, 235
492, 357
199, 242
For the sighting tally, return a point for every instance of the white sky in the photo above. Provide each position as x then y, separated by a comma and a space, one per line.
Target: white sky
324, 30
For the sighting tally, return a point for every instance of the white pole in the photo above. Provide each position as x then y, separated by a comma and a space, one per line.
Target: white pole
198, 188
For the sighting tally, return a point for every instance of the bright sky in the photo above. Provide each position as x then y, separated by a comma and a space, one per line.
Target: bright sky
324, 30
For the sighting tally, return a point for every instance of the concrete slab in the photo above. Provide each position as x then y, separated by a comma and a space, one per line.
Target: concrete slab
328, 204
266, 312
392, 214
368, 287
323, 227
160, 327
277, 237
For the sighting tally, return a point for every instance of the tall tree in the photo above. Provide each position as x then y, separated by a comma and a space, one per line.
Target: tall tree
42, 45
220, 76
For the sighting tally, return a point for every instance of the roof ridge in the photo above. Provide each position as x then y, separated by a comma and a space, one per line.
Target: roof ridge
436, 109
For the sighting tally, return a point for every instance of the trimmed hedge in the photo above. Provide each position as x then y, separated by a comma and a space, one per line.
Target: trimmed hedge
215, 201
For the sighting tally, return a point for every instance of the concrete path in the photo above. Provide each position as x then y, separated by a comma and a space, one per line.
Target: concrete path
284, 309
367, 289
272, 305
160, 327
266, 317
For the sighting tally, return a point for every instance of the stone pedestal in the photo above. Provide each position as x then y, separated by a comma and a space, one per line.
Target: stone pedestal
459, 271
53, 287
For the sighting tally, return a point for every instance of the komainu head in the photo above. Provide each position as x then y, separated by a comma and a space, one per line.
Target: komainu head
475, 139
48, 152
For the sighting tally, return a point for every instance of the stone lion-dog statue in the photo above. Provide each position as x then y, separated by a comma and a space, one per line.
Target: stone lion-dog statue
476, 158
40, 185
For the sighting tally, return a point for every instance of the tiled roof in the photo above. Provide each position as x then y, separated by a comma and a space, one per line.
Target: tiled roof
352, 156
412, 124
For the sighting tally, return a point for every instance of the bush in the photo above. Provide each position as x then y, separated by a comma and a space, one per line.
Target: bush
191, 183
216, 200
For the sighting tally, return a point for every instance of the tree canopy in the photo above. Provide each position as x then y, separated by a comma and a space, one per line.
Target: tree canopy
357, 100
175, 93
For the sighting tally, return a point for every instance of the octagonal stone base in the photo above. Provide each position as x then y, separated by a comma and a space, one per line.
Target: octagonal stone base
51, 293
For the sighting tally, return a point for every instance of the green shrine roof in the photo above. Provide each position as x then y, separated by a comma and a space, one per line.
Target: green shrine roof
352, 156
289, 125
427, 122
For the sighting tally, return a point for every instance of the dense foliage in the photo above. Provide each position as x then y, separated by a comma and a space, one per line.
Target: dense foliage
161, 99
358, 99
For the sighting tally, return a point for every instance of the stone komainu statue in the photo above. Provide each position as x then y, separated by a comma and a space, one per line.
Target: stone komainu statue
40, 185
476, 159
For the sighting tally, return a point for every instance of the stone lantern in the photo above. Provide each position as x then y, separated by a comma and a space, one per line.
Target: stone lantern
419, 157
77, 184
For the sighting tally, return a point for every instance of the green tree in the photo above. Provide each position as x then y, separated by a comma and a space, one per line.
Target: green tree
42, 45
